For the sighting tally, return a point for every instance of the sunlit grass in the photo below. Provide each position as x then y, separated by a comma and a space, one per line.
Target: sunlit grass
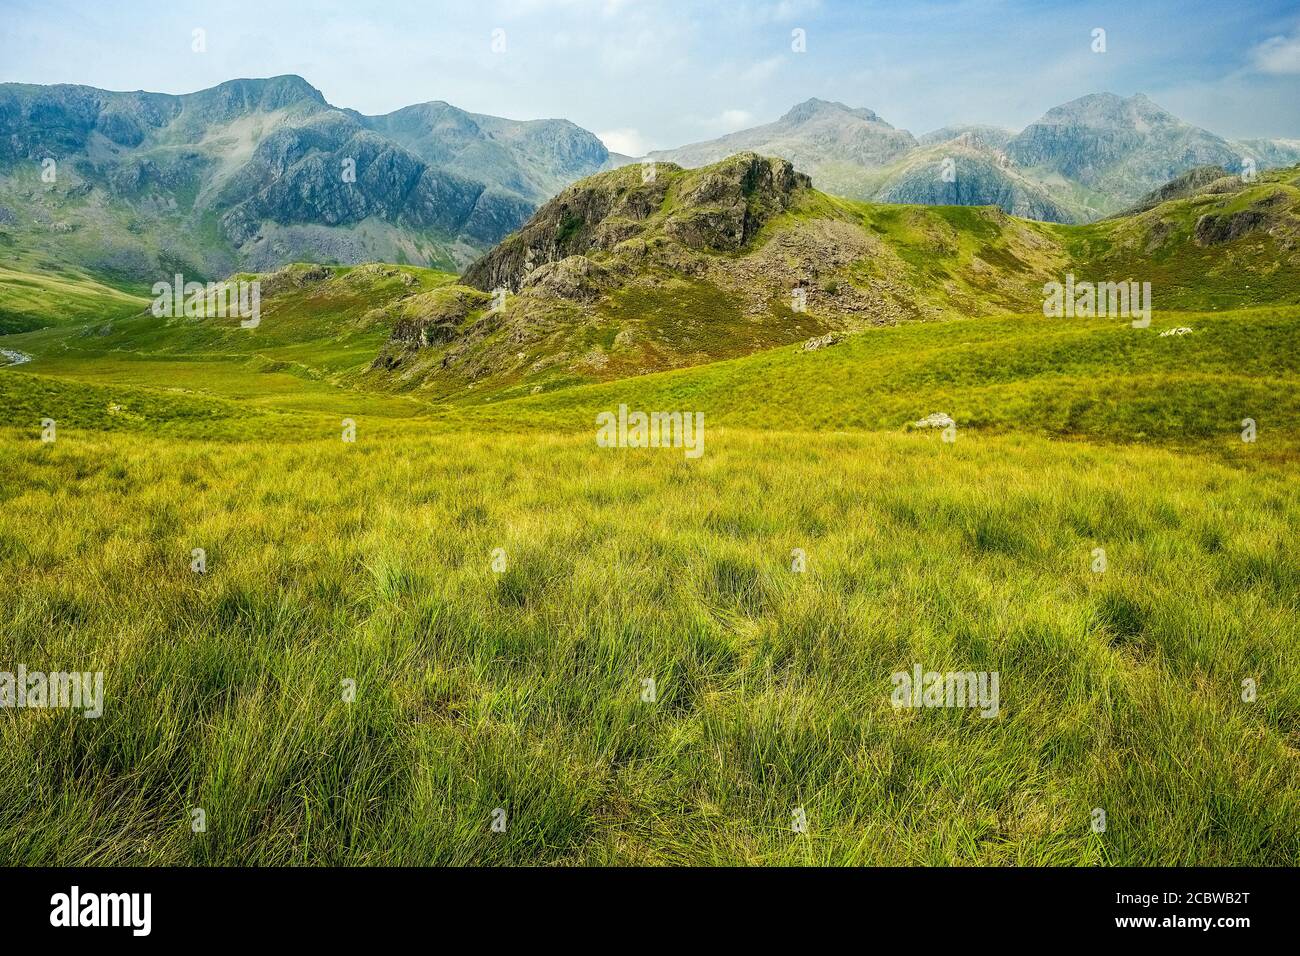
521, 690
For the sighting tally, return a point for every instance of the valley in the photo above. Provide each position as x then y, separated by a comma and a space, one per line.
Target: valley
430, 592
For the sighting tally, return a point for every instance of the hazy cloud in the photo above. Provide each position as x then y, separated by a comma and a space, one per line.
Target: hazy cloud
1279, 55
629, 142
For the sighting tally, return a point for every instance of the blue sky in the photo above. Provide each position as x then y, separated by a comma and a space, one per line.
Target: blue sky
648, 74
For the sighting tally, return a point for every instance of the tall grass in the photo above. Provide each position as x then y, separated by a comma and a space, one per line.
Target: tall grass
521, 690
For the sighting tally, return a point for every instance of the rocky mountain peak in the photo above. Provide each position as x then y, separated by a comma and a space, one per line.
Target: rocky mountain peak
814, 108
1108, 110
237, 97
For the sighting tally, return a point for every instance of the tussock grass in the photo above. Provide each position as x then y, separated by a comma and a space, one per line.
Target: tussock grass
521, 690
477, 690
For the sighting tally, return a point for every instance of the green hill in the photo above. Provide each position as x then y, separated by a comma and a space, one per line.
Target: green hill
618, 276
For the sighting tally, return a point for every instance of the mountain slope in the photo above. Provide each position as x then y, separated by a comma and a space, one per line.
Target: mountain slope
964, 171
993, 137
619, 276
255, 173
1226, 244
1180, 187
532, 159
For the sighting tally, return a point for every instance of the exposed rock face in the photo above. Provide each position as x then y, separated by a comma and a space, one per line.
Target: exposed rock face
1119, 147
434, 317
720, 208
1273, 210
596, 214
576, 278
1213, 229
295, 176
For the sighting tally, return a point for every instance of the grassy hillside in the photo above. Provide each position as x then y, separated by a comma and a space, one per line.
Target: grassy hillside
522, 689
620, 277
1230, 244
1090, 380
31, 299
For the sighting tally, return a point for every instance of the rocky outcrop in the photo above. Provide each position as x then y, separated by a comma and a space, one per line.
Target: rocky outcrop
292, 278
434, 317
819, 342
719, 208
1214, 229
591, 216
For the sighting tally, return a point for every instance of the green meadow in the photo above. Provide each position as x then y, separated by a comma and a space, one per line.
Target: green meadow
456, 618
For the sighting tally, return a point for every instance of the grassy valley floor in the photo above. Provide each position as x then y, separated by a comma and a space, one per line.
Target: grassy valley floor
522, 689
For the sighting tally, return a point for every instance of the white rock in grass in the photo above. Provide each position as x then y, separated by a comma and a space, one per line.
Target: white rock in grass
937, 420
1181, 330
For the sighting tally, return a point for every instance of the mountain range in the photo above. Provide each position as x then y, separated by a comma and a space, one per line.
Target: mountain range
257, 173
252, 174
623, 274
1080, 161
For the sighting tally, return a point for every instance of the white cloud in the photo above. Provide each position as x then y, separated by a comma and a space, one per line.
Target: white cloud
785, 10
763, 70
627, 141
1278, 55
732, 120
